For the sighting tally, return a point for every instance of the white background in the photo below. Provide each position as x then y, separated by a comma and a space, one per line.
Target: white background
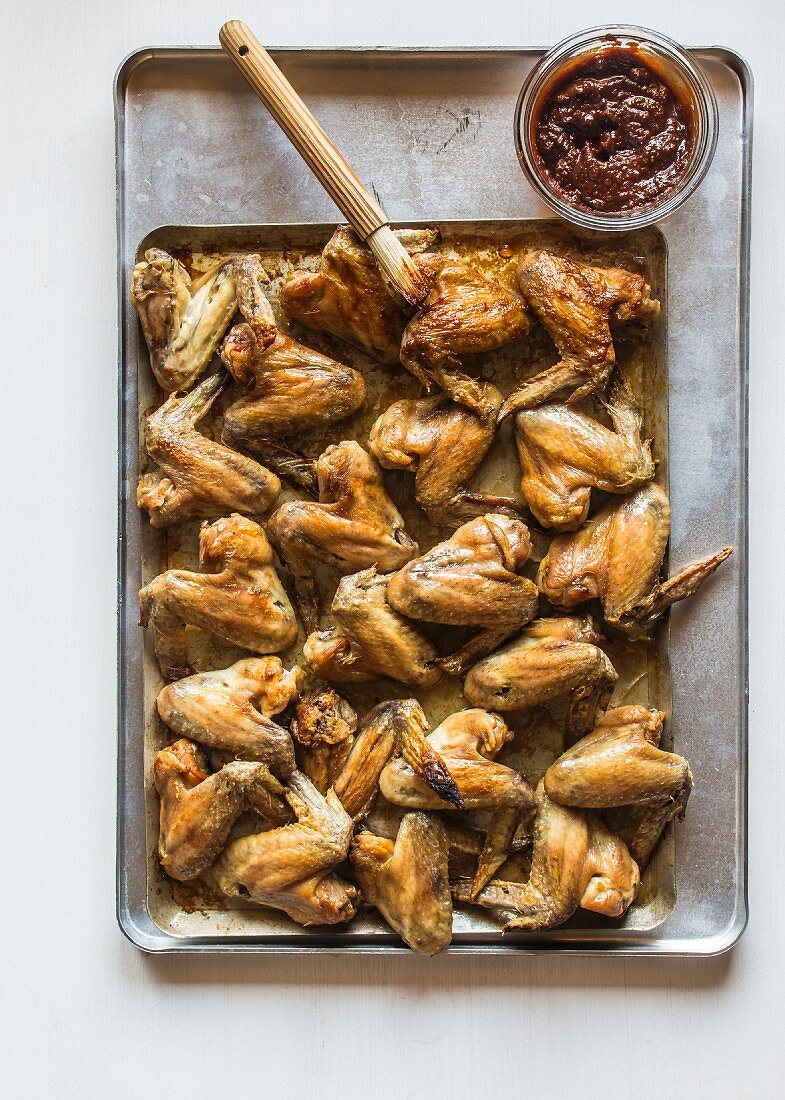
83, 1013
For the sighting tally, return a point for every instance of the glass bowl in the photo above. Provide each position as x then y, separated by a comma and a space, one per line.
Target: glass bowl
673, 64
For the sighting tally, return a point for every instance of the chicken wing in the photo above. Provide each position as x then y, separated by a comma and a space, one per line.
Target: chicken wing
471, 580
552, 659
323, 730
291, 389
397, 725
564, 454
291, 868
465, 313
198, 810
232, 710
183, 322
347, 296
407, 881
576, 861
620, 764
443, 444
198, 478
578, 305
616, 558
467, 742
353, 526
370, 639
237, 596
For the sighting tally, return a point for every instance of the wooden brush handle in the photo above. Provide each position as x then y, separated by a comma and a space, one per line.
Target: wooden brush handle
336, 176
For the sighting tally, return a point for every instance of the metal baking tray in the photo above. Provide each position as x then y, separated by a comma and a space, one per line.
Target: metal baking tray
193, 145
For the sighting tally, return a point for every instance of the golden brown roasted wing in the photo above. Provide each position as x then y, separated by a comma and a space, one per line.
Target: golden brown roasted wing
576, 861
238, 596
353, 526
291, 389
552, 659
291, 868
232, 710
198, 810
407, 881
347, 296
442, 444
471, 580
465, 313
198, 478
620, 764
370, 639
564, 454
323, 729
397, 725
578, 305
183, 322
616, 558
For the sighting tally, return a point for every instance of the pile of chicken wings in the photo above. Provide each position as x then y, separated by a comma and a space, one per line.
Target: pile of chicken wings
272, 785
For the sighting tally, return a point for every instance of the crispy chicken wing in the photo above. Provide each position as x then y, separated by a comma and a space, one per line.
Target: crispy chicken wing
552, 659
232, 710
198, 478
183, 322
578, 305
465, 313
616, 558
291, 868
471, 580
576, 861
291, 389
443, 445
353, 526
467, 742
323, 730
565, 454
347, 296
370, 639
397, 725
198, 810
620, 764
238, 596
407, 881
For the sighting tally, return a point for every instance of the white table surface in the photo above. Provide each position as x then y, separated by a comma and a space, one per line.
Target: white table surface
86, 1015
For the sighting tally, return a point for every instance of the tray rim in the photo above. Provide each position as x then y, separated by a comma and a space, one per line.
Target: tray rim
138, 927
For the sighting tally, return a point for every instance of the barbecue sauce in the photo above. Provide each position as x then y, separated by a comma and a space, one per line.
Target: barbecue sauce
611, 135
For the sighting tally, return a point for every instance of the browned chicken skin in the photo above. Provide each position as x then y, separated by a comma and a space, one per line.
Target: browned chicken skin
467, 742
353, 526
576, 861
198, 810
348, 298
465, 313
370, 639
471, 580
238, 596
564, 454
620, 764
183, 322
407, 881
232, 710
616, 558
291, 389
578, 305
442, 444
291, 868
324, 732
552, 659
198, 478
397, 725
